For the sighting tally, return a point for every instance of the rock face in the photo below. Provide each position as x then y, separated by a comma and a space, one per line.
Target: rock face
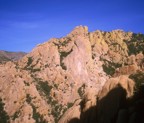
10, 56
77, 78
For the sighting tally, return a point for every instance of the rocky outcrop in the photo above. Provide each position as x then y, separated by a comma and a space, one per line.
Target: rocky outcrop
113, 98
72, 79
103, 107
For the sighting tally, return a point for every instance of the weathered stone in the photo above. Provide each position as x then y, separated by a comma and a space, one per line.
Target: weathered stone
72, 74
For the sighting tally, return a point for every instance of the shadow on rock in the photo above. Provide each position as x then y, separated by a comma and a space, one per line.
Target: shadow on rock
74, 120
115, 108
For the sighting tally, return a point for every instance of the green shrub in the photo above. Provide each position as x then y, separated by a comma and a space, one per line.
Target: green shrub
28, 98
26, 83
69, 105
80, 90
138, 79
30, 60
35, 70
4, 118
45, 87
136, 44
16, 115
56, 110
62, 56
36, 116
110, 67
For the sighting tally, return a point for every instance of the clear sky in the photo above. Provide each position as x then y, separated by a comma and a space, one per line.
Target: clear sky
26, 23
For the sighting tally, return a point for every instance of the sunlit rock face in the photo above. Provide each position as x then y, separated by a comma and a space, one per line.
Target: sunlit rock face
67, 80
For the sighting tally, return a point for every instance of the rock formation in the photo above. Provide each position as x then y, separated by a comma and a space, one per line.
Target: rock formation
77, 78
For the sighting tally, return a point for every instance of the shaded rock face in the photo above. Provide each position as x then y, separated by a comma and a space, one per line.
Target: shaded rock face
104, 108
10, 56
118, 105
77, 78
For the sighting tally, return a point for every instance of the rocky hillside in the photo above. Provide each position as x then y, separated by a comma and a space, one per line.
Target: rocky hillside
83, 77
10, 56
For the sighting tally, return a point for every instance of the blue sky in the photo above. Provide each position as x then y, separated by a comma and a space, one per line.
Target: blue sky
26, 23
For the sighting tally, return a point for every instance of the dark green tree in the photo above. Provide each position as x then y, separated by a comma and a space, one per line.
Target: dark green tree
4, 118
